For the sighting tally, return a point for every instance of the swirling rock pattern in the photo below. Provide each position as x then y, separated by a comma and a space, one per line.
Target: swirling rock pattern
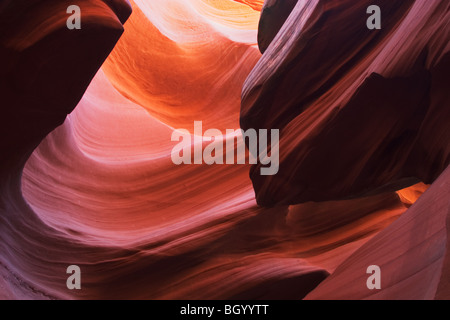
98, 189
359, 111
273, 15
40, 84
412, 265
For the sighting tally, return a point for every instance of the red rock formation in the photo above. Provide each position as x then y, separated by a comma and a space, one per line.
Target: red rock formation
47, 67
443, 291
410, 253
273, 15
100, 191
205, 71
360, 111
45, 71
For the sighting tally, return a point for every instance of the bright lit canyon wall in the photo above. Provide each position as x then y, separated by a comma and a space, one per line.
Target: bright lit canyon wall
86, 176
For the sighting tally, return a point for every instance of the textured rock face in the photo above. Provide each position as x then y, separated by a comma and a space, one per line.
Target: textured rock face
369, 118
209, 46
46, 67
410, 252
443, 291
361, 116
45, 70
273, 15
359, 112
100, 191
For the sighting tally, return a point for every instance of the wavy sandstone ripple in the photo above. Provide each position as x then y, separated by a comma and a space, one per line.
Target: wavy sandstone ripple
97, 188
359, 112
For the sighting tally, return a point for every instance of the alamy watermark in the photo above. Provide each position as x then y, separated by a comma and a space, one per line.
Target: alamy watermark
74, 281
374, 281
228, 147
374, 21
74, 21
